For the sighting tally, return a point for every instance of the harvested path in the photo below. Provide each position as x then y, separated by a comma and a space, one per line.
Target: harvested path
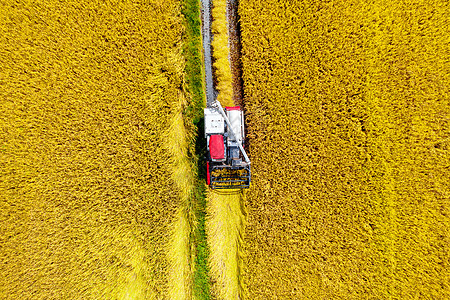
225, 210
207, 55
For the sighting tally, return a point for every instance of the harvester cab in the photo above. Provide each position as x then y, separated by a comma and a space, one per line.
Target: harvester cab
228, 166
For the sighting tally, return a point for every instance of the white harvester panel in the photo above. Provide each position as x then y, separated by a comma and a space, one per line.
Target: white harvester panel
236, 118
214, 122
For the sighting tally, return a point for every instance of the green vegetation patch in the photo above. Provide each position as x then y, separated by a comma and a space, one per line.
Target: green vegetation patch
194, 59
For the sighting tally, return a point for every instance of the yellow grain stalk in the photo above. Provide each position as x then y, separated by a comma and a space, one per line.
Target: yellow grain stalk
347, 108
179, 250
221, 52
93, 184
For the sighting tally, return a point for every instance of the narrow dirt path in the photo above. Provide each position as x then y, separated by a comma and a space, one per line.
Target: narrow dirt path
207, 55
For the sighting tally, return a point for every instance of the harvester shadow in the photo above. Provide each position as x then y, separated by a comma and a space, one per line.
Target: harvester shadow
200, 148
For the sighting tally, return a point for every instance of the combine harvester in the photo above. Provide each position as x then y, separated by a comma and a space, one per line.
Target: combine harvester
228, 166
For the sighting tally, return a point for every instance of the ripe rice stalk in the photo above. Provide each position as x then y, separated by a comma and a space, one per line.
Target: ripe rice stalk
347, 110
221, 52
179, 251
88, 193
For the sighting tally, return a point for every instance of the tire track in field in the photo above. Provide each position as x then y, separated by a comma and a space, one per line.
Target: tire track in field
211, 94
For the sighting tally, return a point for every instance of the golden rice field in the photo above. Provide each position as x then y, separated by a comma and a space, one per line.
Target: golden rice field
91, 131
348, 111
347, 108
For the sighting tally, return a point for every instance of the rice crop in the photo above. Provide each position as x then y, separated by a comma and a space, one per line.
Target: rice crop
91, 130
348, 119
221, 52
